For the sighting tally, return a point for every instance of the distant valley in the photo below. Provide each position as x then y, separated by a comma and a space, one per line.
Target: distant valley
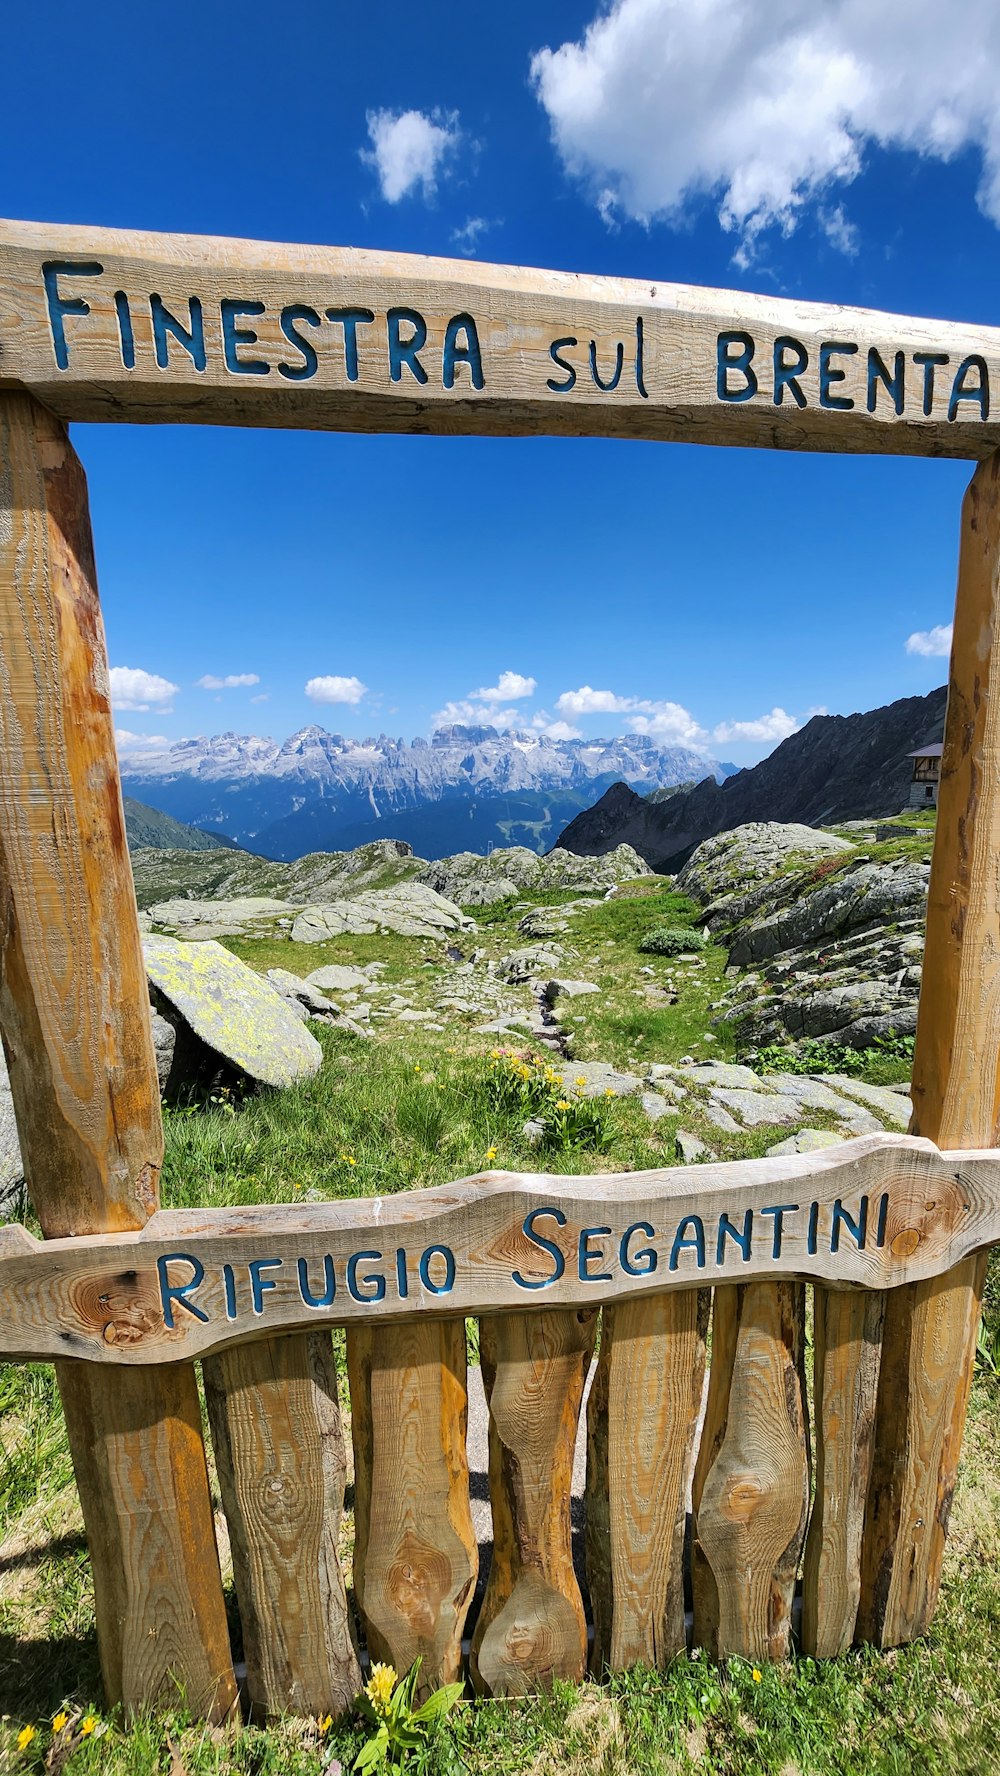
466, 789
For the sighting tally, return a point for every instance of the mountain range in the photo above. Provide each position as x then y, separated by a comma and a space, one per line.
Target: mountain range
837, 767
467, 788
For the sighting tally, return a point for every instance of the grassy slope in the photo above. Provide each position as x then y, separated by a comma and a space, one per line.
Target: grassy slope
415, 1108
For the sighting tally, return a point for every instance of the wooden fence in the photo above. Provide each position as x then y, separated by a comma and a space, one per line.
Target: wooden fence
891, 1232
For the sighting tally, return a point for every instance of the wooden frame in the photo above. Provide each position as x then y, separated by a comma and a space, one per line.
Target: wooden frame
890, 1231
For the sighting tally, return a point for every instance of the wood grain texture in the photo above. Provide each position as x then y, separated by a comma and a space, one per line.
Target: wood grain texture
415, 1552
930, 1329
514, 1242
279, 1451
74, 1013
642, 1413
254, 333
753, 1495
532, 1628
847, 1337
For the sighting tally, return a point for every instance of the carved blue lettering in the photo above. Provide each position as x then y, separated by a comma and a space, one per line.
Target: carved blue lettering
377, 1282
233, 337
619, 366
469, 353
929, 361
260, 1284
192, 338
829, 373
350, 319
895, 384
631, 1263
179, 1292
881, 1218
229, 1285
741, 363
640, 349
404, 351
857, 1229
445, 1287
787, 373
561, 388
588, 1255
544, 1245
402, 1280
125, 332
60, 306
728, 1231
979, 392
811, 1242
329, 1282
683, 1243
779, 1213
290, 315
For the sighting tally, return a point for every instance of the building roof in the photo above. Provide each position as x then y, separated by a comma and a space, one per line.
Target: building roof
932, 750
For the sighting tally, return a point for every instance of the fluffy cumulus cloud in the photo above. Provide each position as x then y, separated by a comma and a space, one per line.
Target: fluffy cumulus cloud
662, 720
233, 681
128, 742
409, 150
487, 704
767, 105
765, 728
933, 644
335, 689
132, 688
510, 686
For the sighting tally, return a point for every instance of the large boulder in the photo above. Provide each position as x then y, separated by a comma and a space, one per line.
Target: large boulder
472, 880
233, 1011
246, 916
733, 861
410, 908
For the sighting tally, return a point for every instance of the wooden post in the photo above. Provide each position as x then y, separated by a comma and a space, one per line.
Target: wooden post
930, 1330
279, 1447
74, 1012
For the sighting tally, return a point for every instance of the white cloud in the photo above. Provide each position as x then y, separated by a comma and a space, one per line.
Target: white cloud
466, 238
463, 711
555, 730
335, 689
409, 149
232, 681
765, 105
660, 719
512, 685
265, 697
129, 742
769, 728
933, 643
132, 688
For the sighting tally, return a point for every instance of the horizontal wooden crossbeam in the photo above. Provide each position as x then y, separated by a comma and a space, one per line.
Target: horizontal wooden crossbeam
106, 324
876, 1212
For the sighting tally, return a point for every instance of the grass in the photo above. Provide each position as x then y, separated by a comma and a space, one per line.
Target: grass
416, 1108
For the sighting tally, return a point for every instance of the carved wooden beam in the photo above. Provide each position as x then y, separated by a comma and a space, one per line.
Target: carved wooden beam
108, 324
877, 1212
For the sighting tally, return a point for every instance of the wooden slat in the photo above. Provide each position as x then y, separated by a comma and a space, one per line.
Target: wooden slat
415, 1552
105, 324
200, 1280
279, 1451
642, 1414
532, 1627
930, 1330
847, 1336
74, 1011
753, 1493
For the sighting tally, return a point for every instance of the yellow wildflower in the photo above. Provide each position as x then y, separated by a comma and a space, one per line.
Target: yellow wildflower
325, 1722
59, 1720
351, 1160
88, 1724
563, 1104
755, 1674
608, 1093
491, 1153
417, 1067
24, 1738
380, 1685
581, 1079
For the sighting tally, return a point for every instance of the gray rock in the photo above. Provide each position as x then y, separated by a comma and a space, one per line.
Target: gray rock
335, 978
720, 1118
654, 1105
477, 881
806, 1141
533, 1132
568, 989
410, 908
164, 1044
232, 1010
756, 1107
726, 863
593, 1078
290, 986
888, 1104
242, 916
727, 1073
690, 1149
526, 964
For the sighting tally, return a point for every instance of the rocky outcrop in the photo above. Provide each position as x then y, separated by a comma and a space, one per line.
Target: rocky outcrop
835, 768
753, 853
412, 909
478, 881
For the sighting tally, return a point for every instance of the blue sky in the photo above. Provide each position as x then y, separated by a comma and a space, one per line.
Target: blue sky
823, 149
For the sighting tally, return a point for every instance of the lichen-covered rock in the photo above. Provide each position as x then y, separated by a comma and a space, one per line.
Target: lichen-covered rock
232, 1010
336, 978
472, 880
732, 861
249, 915
410, 908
